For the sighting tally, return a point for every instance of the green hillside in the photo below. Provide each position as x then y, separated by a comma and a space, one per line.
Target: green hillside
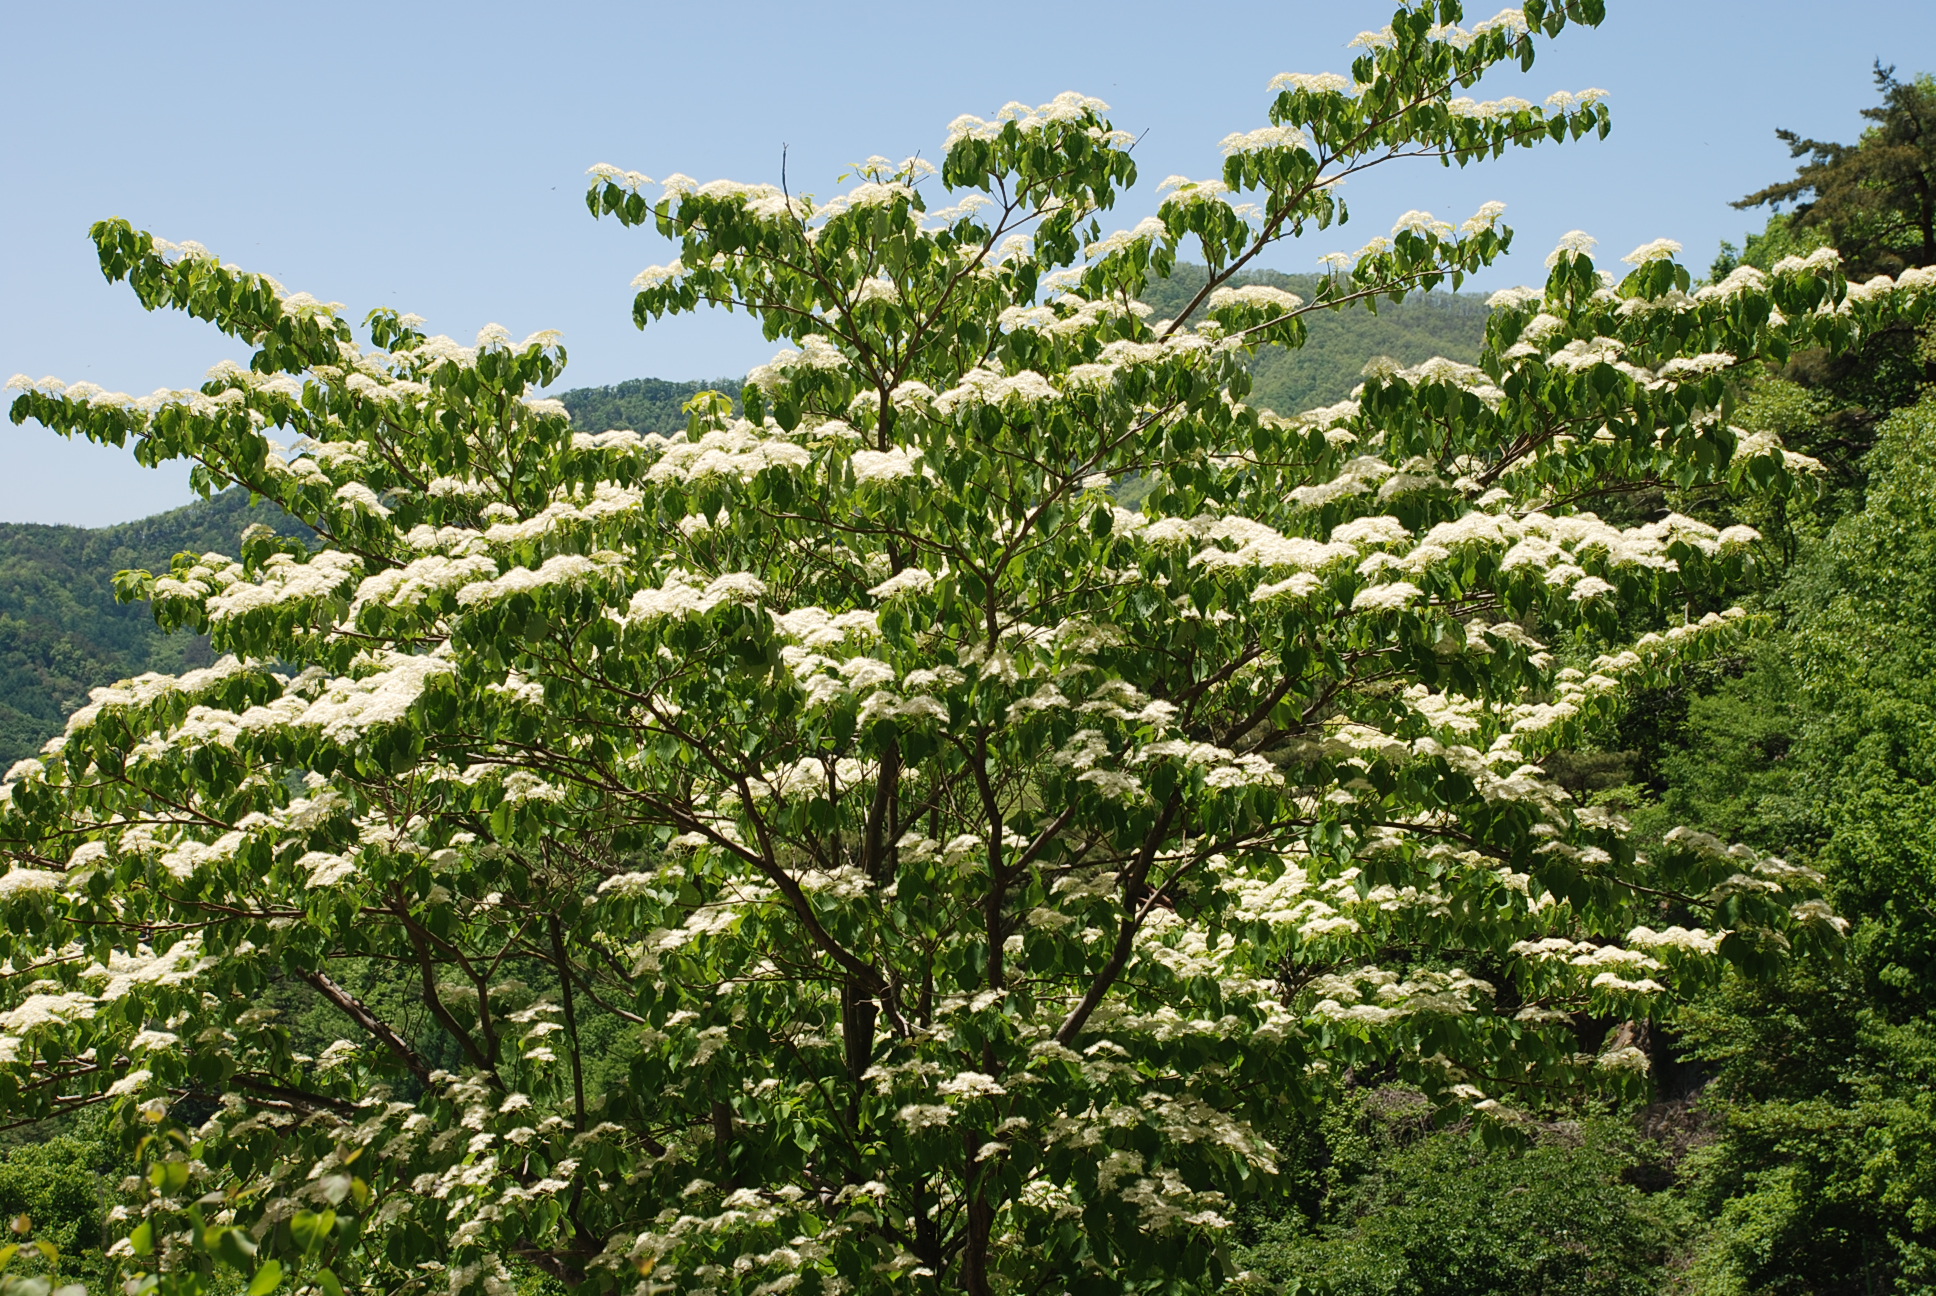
1328, 366
62, 633
643, 404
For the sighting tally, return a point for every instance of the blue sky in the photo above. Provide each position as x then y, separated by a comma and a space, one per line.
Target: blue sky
431, 156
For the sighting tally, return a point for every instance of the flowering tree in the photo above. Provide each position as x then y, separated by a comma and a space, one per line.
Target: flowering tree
969, 869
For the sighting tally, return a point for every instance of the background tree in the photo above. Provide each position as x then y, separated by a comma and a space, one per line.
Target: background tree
1825, 1156
1411, 1212
968, 871
1874, 200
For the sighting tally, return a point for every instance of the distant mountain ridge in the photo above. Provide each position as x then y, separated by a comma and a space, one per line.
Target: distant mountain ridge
62, 633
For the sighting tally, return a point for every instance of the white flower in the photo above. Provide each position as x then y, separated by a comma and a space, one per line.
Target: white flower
362, 498
1026, 317
1314, 82
1386, 598
1590, 587
1741, 279
653, 276
1816, 913
325, 869
1516, 298
886, 465
1484, 219
1819, 259
1689, 940
909, 580
19, 881
1264, 139
1261, 295
606, 171
129, 1084
1150, 227
1661, 249
47, 1010
971, 1084
877, 290
1681, 367
337, 1055
1421, 222
1573, 243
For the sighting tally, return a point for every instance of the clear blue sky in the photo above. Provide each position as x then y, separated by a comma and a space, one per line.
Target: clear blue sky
431, 156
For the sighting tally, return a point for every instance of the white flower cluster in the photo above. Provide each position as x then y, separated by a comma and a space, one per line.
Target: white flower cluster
1065, 108
1490, 109
1261, 296
1314, 83
682, 596
739, 451
285, 580
816, 352
1266, 139
1662, 249
1573, 243
987, 386
1373, 996
1150, 229
559, 569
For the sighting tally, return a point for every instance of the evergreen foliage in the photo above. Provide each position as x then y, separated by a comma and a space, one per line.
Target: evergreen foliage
1407, 1211
1824, 1176
1875, 200
55, 1190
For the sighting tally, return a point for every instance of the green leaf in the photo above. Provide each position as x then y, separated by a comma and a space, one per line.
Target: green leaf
235, 1246
311, 1229
266, 1279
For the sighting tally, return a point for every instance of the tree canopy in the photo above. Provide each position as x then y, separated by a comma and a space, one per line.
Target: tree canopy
63, 633
840, 847
1874, 200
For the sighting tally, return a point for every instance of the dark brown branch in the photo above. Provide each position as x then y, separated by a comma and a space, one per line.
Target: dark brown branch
357, 1011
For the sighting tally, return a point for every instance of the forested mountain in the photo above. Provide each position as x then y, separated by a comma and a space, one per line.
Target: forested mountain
1324, 370
61, 630
642, 404
1328, 365
62, 633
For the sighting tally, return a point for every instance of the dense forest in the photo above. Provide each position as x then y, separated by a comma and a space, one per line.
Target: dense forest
1790, 1146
